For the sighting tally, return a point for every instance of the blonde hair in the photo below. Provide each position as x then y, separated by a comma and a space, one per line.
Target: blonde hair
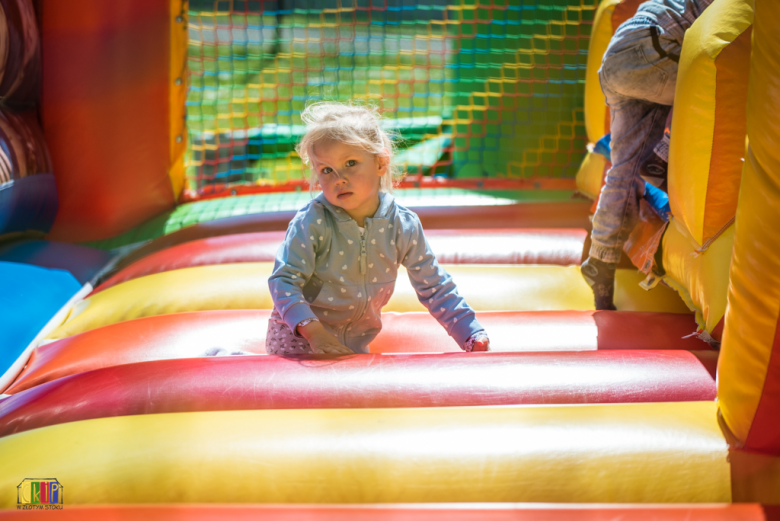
351, 124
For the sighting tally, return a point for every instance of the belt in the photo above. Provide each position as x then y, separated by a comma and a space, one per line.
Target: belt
657, 46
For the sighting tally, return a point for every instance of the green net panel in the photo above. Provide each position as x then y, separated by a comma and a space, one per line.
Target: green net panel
491, 88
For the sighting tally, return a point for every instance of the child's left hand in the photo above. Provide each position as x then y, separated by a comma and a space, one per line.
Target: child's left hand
477, 342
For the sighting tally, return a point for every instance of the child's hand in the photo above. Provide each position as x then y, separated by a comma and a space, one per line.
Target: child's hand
328, 345
322, 342
477, 342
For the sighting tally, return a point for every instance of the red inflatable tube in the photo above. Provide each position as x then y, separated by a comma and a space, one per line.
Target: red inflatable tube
545, 331
241, 247
435, 512
184, 335
105, 104
363, 381
492, 246
526, 215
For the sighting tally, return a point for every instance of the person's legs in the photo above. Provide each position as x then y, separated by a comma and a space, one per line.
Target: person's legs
637, 125
639, 87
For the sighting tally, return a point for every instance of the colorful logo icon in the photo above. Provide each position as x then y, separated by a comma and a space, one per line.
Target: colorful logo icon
39, 494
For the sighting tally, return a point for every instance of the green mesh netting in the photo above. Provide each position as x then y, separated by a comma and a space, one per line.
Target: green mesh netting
491, 88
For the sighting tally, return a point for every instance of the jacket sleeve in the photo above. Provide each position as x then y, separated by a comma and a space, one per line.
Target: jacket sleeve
294, 266
434, 286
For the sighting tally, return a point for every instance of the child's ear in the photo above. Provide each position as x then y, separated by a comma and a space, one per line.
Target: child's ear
383, 160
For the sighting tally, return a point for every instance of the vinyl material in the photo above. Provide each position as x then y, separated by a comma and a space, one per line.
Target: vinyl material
572, 214
29, 297
749, 380
667, 452
609, 15
421, 512
183, 335
590, 176
708, 138
20, 69
81, 261
701, 279
29, 203
490, 246
755, 478
244, 286
364, 381
105, 107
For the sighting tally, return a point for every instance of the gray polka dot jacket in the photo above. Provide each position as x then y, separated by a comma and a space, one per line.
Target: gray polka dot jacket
326, 269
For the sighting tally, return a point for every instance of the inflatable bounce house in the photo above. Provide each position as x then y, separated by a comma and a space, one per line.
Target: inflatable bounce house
147, 177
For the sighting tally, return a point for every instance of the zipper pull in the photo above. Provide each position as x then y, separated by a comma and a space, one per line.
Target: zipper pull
362, 254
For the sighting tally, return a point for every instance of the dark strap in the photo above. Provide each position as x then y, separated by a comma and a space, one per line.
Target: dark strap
657, 46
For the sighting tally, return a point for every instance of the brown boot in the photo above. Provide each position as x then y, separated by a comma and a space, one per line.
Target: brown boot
600, 276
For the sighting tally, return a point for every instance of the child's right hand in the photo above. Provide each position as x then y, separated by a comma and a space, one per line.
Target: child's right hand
321, 341
479, 341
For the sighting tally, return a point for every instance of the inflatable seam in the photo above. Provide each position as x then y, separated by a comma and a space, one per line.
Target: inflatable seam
686, 298
715, 237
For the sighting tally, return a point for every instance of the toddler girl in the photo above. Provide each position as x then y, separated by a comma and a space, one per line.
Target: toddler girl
337, 266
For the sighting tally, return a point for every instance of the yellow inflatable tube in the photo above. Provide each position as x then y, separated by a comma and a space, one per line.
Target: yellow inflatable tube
668, 452
702, 279
595, 104
539, 288
591, 174
245, 286
750, 360
709, 123
609, 15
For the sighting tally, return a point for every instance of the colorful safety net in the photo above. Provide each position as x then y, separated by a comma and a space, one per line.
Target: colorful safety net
474, 88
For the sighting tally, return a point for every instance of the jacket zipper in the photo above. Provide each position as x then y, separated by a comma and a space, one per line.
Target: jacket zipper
363, 289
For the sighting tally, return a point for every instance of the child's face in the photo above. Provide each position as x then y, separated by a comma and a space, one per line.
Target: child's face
349, 176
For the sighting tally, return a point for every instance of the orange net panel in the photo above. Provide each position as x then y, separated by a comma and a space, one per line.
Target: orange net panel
476, 89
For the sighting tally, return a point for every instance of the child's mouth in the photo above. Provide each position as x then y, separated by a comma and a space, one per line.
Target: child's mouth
344, 195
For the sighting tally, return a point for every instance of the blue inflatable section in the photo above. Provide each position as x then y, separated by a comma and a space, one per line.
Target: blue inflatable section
29, 203
29, 298
82, 262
